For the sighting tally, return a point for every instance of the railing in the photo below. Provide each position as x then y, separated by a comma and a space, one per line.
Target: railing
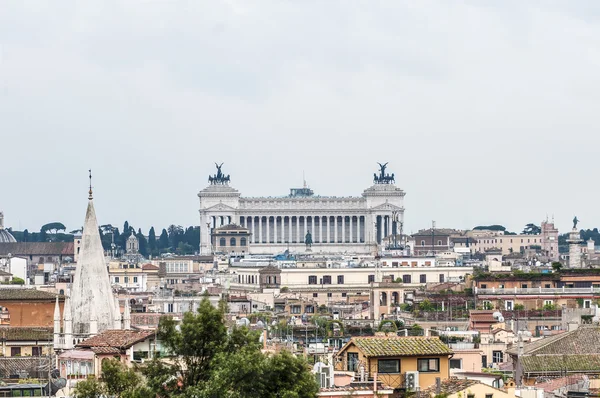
463, 346
539, 290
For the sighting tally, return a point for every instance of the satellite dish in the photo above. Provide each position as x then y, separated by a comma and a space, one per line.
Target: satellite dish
260, 324
448, 329
243, 322
497, 314
500, 318
318, 366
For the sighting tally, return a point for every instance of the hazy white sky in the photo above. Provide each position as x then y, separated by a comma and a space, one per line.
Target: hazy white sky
487, 111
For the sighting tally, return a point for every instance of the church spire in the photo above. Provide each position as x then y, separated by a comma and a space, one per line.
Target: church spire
91, 285
90, 197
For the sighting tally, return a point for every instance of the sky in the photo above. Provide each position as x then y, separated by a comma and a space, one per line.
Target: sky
487, 111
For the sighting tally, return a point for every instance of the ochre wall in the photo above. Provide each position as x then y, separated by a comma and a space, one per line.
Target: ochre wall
33, 313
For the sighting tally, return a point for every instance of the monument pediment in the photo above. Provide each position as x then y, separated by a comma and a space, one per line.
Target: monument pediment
386, 206
220, 207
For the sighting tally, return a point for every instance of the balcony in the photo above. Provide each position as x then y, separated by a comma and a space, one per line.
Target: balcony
538, 291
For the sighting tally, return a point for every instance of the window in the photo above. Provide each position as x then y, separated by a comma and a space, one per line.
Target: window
243, 242
352, 361
484, 286
126, 279
422, 243
428, 365
312, 279
587, 303
315, 294
232, 242
456, 364
470, 395
340, 279
135, 279
222, 242
497, 356
295, 309
345, 294
489, 395
441, 278
423, 278
329, 295
548, 302
326, 280
371, 279
116, 279
406, 279
439, 243
36, 351
547, 286
509, 305
388, 366
484, 363
170, 307
524, 286
309, 309
15, 351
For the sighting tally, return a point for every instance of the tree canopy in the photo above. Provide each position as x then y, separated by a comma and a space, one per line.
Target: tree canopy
53, 227
206, 361
532, 229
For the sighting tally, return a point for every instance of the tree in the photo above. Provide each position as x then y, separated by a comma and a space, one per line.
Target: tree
118, 379
163, 240
17, 281
53, 227
89, 388
26, 236
175, 235
152, 244
532, 229
143, 243
556, 266
426, 306
199, 338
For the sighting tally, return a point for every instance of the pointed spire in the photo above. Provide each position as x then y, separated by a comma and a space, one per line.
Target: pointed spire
56, 311
56, 322
126, 316
90, 197
67, 317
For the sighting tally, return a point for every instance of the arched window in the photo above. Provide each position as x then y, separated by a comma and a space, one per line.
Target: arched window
222, 242
439, 242
61, 292
422, 243
232, 242
243, 242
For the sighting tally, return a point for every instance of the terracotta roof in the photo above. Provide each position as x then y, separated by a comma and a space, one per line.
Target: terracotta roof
38, 248
105, 350
149, 267
561, 363
386, 346
25, 294
116, 338
451, 386
15, 333
560, 382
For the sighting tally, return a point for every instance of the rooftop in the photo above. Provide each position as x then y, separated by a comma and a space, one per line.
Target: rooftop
451, 386
25, 294
386, 346
14, 333
116, 338
37, 248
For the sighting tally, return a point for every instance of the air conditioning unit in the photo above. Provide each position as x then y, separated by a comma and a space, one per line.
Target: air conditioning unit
412, 381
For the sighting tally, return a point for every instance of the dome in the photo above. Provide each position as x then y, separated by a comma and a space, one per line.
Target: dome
6, 237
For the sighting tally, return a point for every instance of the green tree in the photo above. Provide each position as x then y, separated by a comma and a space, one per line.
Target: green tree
26, 236
143, 243
195, 343
118, 379
163, 240
532, 229
53, 227
426, 306
89, 388
152, 243
175, 235
556, 266
17, 281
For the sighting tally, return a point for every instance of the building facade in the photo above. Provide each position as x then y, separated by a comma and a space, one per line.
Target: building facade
303, 220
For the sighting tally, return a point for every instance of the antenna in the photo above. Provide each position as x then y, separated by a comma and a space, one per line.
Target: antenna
303, 179
90, 197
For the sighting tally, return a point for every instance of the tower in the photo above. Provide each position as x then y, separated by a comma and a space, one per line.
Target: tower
91, 286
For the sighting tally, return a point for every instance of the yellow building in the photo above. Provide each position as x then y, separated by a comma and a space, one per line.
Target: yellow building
25, 341
396, 361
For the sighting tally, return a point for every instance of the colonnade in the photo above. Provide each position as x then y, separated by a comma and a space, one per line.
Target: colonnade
293, 229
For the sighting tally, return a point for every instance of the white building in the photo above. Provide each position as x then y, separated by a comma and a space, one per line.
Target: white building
334, 224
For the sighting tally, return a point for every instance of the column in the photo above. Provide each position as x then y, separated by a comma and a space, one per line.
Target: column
275, 229
335, 230
312, 229
358, 234
343, 229
320, 229
305, 228
328, 229
297, 229
260, 235
289, 229
350, 230
253, 229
